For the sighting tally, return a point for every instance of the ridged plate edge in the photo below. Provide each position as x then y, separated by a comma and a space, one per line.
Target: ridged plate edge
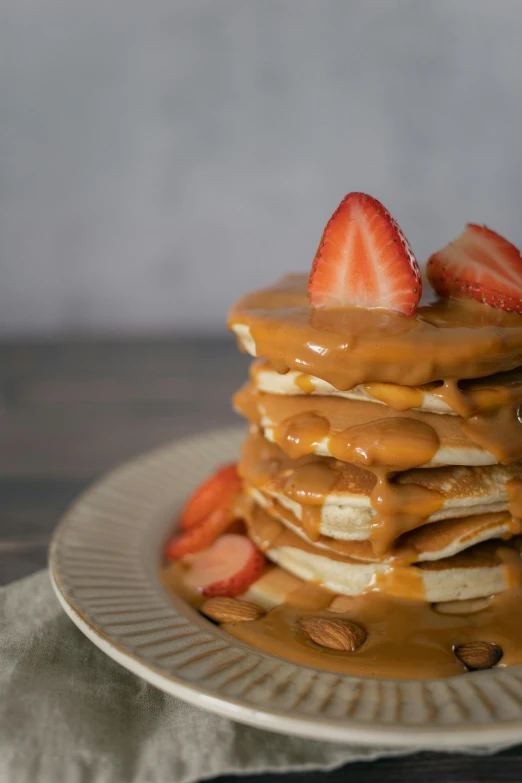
104, 560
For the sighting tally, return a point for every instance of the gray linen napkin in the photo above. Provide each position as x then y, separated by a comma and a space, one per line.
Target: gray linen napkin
69, 713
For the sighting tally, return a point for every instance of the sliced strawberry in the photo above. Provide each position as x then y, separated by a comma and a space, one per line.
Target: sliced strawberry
228, 567
201, 536
364, 260
218, 491
479, 264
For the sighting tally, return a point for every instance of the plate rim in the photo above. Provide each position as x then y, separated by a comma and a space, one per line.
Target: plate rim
456, 736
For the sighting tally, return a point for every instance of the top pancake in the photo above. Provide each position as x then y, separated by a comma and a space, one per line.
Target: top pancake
444, 340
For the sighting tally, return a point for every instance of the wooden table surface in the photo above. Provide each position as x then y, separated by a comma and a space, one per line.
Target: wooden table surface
71, 410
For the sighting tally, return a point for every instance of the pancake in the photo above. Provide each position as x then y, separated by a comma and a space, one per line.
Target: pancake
337, 495
276, 586
499, 389
448, 339
272, 588
293, 383
356, 431
482, 570
433, 541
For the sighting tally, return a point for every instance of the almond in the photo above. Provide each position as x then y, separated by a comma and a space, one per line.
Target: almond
478, 655
335, 633
230, 610
468, 606
341, 604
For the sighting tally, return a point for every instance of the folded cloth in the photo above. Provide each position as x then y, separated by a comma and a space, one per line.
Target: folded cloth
68, 713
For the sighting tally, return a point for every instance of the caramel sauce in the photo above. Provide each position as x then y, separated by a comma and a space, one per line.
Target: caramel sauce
514, 490
398, 441
406, 638
399, 508
453, 396
311, 521
399, 581
172, 576
511, 563
465, 397
311, 482
401, 398
404, 502
409, 440
385, 446
400, 578
301, 434
448, 338
481, 395
431, 538
449, 349
305, 383
498, 431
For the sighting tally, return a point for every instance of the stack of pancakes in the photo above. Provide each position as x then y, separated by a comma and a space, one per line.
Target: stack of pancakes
383, 451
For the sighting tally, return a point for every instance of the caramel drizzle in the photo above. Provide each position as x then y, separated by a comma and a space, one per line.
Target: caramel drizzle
346, 348
514, 490
491, 414
351, 346
396, 579
389, 446
398, 507
489, 409
405, 638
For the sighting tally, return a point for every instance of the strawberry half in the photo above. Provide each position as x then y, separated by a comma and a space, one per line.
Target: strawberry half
218, 491
479, 264
228, 567
364, 260
201, 536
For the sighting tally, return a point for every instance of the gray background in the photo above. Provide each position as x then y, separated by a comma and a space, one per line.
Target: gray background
158, 158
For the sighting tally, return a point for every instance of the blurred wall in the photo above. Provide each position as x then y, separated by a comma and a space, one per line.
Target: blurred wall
158, 158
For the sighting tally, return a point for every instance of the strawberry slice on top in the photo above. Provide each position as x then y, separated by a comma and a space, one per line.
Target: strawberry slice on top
479, 264
364, 260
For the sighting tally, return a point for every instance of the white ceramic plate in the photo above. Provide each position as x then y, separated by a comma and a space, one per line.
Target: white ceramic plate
104, 561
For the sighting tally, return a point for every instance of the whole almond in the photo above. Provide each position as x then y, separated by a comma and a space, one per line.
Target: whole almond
335, 633
230, 610
478, 655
